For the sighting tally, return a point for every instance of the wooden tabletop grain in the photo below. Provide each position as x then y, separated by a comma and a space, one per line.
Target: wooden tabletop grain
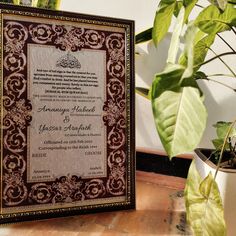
160, 211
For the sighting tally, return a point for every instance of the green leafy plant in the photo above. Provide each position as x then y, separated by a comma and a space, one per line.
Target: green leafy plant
177, 101
50, 4
203, 203
204, 208
229, 160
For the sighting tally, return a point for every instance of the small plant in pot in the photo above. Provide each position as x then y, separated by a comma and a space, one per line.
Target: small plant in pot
178, 104
210, 189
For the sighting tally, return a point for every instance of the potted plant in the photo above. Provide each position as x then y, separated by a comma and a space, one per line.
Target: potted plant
210, 190
178, 102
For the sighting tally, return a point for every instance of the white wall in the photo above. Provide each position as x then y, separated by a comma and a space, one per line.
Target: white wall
220, 101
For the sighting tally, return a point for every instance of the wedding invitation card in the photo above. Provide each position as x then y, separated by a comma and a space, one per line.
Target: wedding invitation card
67, 114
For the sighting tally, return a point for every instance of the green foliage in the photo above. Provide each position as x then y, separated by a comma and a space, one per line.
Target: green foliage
143, 92
189, 5
165, 12
162, 21
144, 36
202, 43
213, 20
176, 107
222, 128
178, 6
50, 4
175, 40
7, 1
203, 205
16, 2
219, 3
173, 85
178, 103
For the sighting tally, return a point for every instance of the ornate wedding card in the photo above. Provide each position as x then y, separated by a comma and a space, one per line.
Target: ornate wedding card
67, 114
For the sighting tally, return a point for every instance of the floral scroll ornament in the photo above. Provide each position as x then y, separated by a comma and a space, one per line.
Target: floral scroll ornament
14, 163
95, 188
16, 35
67, 189
114, 114
40, 193
14, 192
116, 181
41, 33
16, 114
116, 44
114, 107
15, 86
94, 39
20, 114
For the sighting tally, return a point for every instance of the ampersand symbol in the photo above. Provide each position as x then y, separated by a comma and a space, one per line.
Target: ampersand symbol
66, 119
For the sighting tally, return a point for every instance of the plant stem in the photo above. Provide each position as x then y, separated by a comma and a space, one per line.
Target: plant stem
234, 148
232, 28
218, 82
226, 42
219, 57
197, 5
223, 147
226, 75
231, 148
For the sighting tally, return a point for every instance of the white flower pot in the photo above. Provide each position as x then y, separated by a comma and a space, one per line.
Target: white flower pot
226, 180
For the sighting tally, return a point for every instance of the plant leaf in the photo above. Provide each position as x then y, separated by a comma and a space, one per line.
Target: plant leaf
229, 15
178, 6
222, 4
188, 50
16, 2
203, 205
219, 3
143, 92
211, 20
201, 48
175, 39
144, 36
34, 3
178, 109
200, 75
50, 4
162, 22
222, 128
202, 44
218, 144
189, 5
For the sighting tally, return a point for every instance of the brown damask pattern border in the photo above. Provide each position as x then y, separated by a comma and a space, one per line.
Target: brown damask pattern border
17, 118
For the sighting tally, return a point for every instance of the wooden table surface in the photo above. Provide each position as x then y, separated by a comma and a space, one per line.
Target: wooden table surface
160, 211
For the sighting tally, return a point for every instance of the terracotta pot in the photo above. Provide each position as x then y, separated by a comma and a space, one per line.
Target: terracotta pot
226, 180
